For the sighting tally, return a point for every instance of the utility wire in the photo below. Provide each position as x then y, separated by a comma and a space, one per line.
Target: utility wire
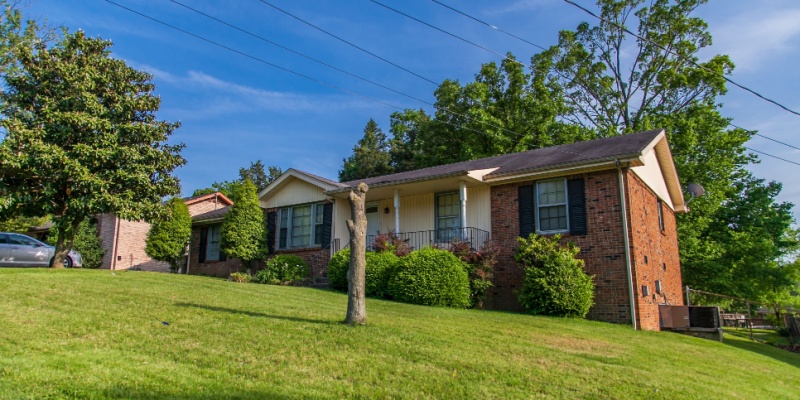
731, 81
764, 136
444, 31
770, 155
489, 25
443, 109
308, 77
349, 43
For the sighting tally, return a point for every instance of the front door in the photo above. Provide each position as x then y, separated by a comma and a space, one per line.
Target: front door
373, 219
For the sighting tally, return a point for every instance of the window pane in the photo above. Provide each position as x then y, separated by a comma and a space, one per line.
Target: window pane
552, 218
301, 226
214, 235
319, 209
552, 192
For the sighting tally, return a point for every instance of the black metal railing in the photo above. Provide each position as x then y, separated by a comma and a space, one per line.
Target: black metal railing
438, 238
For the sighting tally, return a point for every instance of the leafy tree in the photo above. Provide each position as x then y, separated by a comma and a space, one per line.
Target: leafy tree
244, 231
169, 234
370, 156
225, 187
22, 224
87, 243
82, 138
255, 173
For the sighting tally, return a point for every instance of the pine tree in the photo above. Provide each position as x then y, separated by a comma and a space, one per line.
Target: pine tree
370, 156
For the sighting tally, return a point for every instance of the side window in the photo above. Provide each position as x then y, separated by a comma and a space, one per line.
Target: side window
660, 205
22, 240
551, 206
448, 212
214, 236
319, 210
3, 238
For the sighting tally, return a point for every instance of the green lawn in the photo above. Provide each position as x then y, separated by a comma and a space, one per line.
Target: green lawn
91, 334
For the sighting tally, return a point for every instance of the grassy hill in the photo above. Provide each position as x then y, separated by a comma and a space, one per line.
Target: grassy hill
91, 334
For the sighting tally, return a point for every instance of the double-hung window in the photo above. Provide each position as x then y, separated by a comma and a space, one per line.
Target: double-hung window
448, 216
300, 226
660, 206
551, 206
214, 237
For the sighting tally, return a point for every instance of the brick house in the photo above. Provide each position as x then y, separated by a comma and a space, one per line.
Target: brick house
616, 198
124, 241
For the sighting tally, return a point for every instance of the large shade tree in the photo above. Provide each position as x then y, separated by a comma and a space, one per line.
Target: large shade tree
82, 138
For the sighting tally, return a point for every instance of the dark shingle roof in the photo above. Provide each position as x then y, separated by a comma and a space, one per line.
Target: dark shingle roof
538, 159
211, 215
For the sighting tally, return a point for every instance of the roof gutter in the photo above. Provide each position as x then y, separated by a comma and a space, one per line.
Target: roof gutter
604, 162
626, 240
400, 182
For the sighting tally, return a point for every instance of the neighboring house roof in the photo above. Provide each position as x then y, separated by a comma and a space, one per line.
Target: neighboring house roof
211, 216
196, 199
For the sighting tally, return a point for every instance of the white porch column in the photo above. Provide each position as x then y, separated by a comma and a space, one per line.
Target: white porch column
396, 211
462, 194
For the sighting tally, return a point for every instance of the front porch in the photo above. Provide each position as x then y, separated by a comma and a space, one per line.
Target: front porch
431, 238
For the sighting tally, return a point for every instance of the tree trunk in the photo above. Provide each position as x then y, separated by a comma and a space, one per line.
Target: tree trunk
356, 282
64, 243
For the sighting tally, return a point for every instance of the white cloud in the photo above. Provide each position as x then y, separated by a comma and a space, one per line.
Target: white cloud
754, 38
520, 5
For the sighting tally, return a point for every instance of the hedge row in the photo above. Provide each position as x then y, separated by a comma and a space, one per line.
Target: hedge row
428, 277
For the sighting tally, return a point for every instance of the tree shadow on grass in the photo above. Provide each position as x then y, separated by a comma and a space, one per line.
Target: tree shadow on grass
767, 350
256, 314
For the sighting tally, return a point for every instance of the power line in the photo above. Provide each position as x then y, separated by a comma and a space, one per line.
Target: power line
316, 80
444, 31
489, 25
731, 81
764, 136
443, 109
770, 155
349, 43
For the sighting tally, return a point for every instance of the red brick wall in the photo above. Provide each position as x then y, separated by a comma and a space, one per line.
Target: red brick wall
221, 269
655, 253
602, 248
106, 229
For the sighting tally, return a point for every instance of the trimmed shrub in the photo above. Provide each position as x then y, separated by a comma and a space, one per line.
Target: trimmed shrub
378, 270
240, 277
283, 269
431, 277
554, 283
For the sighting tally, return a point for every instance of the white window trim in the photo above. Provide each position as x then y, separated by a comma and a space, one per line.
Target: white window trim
436, 215
289, 211
536, 206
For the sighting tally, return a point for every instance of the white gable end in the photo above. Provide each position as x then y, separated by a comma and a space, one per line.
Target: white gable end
653, 176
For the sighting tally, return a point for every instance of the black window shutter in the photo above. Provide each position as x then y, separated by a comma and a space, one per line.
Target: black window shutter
577, 207
327, 219
527, 225
203, 244
271, 218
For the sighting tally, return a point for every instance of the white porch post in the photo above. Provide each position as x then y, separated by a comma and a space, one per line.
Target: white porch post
462, 194
396, 211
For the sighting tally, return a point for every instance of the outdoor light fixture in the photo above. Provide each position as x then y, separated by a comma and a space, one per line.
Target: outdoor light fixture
386, 210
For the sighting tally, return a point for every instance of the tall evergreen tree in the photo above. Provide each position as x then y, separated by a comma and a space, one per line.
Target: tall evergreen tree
169, 234
244, 231
370, 156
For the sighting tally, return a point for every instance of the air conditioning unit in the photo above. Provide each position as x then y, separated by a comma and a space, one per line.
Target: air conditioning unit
674, 316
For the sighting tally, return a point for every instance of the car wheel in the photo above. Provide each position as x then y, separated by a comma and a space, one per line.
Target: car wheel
67, 262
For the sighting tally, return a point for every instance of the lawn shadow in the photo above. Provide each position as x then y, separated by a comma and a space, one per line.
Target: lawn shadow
255, 314
767, 350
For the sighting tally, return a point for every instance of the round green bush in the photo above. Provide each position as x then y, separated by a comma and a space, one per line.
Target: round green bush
431, 277
283, 269
378, 269
555, 283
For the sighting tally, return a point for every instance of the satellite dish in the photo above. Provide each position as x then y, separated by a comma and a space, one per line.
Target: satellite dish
695, 190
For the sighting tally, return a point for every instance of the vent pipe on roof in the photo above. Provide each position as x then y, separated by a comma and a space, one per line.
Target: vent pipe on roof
626, 241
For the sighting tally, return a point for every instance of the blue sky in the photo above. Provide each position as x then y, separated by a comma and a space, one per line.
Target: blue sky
235, 110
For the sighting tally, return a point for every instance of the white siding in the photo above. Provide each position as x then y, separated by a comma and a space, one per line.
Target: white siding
295, 192
479, 208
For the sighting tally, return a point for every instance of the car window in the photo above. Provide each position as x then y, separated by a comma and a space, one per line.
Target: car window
23, 240
3, 238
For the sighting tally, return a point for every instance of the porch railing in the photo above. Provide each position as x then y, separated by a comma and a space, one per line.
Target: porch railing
439, 237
